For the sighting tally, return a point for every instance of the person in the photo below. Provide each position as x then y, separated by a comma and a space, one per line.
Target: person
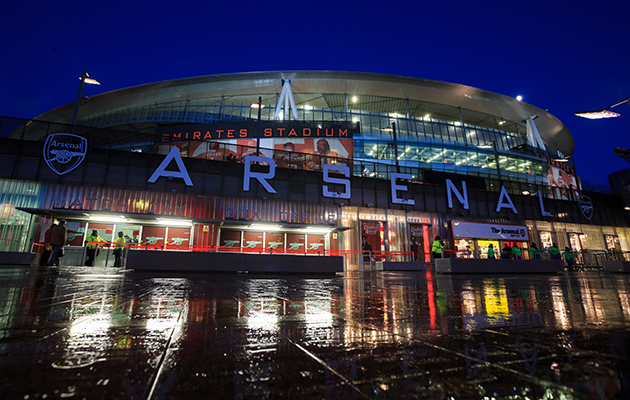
506, 253
323, 155
554, 252
58, 239
468, 252
93, 243
47, 249
516, 251
534, 254
490, 252
568, 256
119, 248
367, 248
415, 250
437, 248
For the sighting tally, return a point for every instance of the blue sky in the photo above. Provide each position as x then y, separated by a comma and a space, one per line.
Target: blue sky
558, 57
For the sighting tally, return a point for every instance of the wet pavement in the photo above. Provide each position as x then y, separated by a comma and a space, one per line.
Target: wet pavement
102, 333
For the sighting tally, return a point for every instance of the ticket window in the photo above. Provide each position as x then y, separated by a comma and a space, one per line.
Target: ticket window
253, 242
420, 242
484, 245
230, 239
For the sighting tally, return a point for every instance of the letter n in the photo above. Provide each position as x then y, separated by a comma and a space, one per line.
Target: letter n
450, 189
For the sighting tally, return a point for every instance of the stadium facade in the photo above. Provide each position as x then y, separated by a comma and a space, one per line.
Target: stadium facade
302, 161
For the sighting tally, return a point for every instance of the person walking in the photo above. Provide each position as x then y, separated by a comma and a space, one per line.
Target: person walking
119, 248
490, 252
437, 248
93, 243
58, 239
534, 254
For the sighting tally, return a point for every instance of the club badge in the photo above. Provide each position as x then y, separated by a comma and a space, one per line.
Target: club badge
586, 206
63, 152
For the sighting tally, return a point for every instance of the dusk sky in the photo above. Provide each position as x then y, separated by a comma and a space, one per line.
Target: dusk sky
560, 57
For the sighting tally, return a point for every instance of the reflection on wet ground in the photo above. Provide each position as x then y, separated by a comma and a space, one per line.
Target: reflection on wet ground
102, 333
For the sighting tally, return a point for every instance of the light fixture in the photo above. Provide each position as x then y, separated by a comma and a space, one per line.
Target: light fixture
255, 105
525, 192
627, 208
91, 81
314, 229
519, 98
388, 129
108, 218
485, 146
427, 115
265, 227
603, 113
174, 222
354, 99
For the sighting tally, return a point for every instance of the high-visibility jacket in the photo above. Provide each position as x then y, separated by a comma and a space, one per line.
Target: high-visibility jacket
490, 252
533, 252
120, 242
94, 239
437, 247
516, 251
553, 250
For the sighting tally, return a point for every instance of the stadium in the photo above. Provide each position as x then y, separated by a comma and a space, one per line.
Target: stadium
307, 162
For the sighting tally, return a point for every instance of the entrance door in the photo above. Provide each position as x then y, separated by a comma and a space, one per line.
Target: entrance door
420, 242
374, 231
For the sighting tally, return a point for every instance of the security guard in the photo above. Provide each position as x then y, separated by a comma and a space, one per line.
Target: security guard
119, 248
93, 244
437, 248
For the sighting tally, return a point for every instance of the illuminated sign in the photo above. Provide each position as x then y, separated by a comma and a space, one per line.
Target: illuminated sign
268, 129
489, 231
63, 152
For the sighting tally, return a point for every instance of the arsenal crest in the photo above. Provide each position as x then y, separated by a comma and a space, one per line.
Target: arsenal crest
64, 152
586, 206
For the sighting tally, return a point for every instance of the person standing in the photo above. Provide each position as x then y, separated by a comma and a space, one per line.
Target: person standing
506, 253
534, 254
367, 249
437, 248
58, 239
516, 251
568, 256
93, 244
415, 250
119, 248
554, 252
490, 252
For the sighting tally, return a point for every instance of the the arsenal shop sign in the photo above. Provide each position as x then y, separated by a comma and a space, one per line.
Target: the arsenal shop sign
268, 129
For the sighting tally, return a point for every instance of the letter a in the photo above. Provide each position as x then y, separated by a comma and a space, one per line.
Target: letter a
161, 170
509, 203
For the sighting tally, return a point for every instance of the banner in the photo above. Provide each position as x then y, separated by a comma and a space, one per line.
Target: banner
250, 130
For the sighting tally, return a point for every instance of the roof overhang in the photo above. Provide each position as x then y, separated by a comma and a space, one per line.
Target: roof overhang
178, 221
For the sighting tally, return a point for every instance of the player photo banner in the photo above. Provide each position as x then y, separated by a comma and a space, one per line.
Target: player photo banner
268, 130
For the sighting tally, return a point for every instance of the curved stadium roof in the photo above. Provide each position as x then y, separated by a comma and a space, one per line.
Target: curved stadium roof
375, 93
